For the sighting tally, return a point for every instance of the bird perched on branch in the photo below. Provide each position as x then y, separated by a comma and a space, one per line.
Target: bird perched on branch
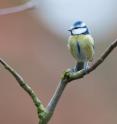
81, 45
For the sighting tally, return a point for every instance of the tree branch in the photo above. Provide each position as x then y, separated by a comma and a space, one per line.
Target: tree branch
54, 100
40, 107
16, 9
70, 76
45, 114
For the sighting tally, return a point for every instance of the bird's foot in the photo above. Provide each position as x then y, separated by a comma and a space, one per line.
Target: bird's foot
86, 68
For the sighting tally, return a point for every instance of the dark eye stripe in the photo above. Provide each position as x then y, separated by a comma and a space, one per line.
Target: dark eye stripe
80, 27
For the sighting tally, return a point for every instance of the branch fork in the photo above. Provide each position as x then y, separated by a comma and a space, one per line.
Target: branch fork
45, 113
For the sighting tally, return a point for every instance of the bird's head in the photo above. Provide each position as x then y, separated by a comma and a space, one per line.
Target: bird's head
79, 28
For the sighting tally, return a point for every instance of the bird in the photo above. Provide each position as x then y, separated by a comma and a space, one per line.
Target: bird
81, 45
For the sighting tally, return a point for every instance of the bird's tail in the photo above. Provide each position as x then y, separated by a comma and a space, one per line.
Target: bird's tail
79, 66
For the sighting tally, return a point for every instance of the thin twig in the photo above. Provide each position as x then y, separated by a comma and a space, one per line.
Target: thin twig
103, 56
25, 86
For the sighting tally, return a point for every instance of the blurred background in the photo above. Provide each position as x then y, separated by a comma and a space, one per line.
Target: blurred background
34, 42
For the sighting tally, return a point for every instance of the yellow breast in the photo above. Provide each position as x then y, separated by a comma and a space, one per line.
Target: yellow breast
85, 50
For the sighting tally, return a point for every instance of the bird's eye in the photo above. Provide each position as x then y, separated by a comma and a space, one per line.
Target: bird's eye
75, 27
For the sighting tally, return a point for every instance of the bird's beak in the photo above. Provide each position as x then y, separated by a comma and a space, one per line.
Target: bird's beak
70, 30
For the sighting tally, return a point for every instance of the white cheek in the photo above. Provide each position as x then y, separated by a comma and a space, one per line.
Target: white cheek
79, 31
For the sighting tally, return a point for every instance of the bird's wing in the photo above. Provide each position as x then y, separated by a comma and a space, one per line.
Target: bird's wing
87, 45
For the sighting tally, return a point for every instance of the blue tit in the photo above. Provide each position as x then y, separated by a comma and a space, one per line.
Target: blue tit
81, 45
